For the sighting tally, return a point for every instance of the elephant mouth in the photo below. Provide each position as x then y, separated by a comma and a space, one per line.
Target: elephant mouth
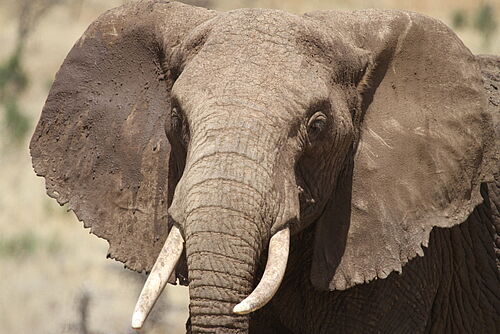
163, 268
310, 203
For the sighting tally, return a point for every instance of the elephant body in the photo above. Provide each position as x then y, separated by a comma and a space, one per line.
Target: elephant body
332, 172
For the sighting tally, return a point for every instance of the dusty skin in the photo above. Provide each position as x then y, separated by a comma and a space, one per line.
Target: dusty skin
366, 134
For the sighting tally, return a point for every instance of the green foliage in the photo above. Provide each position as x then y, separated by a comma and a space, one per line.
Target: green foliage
485, 22
459, 19
13, 78
20, 245
27, 244
13, 82
17, 123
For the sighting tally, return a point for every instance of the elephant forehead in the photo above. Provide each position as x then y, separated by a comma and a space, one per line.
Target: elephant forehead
239, 90
251, 55
260, 78
263, 38
263, 25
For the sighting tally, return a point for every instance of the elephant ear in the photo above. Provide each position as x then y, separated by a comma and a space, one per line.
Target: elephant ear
100, 142
424, 148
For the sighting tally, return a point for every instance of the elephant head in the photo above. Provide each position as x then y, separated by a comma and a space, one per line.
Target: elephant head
235, 130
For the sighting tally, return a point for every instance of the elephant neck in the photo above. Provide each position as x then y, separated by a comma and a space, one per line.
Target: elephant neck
469, 279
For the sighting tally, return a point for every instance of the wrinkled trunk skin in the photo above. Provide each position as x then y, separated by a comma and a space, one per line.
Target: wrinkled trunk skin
223, 201
223, 244
221, 271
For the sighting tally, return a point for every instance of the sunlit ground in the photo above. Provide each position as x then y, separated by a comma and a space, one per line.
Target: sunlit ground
54, 277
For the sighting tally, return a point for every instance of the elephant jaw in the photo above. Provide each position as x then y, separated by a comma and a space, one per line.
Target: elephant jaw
279, 246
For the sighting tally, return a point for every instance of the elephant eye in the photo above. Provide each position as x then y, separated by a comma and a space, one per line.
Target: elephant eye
316, 124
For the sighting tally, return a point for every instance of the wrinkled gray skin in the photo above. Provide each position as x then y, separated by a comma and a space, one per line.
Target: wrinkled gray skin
361, 131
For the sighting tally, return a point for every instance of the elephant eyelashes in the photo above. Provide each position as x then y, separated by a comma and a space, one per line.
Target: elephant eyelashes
176, 118
316, 125
179, 125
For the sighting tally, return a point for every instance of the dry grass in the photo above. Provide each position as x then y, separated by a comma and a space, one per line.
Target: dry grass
48, 263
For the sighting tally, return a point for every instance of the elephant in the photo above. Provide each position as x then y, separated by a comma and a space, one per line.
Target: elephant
332, 172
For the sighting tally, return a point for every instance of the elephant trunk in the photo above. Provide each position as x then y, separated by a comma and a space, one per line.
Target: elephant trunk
230, 203
227, 202
222, 261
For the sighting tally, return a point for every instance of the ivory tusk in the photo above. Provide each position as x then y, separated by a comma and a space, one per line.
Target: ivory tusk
157, 279
279, 247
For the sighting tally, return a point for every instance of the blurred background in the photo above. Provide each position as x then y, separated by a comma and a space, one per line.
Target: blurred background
54, 277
